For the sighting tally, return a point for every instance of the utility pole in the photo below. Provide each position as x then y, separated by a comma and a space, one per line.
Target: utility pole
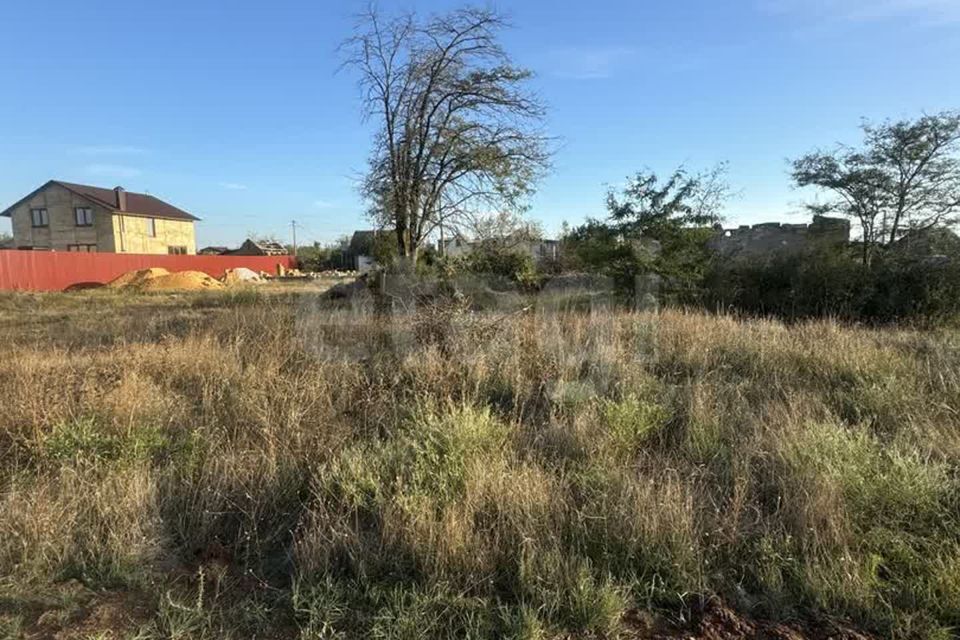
293, 226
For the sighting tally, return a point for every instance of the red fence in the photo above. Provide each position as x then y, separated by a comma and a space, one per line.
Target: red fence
55, 271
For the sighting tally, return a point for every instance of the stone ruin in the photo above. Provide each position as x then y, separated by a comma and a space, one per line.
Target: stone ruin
770, 238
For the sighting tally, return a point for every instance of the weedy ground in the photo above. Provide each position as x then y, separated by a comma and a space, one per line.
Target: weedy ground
248, 465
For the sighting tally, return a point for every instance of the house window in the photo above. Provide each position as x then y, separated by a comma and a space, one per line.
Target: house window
177, 251
83, 216
151, 227
39, 218
82, 248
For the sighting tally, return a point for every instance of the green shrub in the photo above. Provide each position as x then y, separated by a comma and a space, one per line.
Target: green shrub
881, 486
427, 457
82, 440
88, 440
414, 614
822, 284
570, 595
631, 422
501, 262
869, 522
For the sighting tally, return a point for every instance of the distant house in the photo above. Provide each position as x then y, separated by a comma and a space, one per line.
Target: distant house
63, 216
259, 248
540, 250
213, 251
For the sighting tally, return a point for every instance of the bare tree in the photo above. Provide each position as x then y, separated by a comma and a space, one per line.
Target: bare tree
458, 133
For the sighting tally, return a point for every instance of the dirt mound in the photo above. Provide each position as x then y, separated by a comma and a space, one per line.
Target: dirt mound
716, 621
240, 275
181, 281
159, 279
71, 611
137, 278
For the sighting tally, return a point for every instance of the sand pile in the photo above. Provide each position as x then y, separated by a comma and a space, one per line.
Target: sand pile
240, 275
135, 279
181, 281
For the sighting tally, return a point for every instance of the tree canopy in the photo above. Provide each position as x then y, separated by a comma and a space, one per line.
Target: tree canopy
905, 177
459, 132
654, 225
649, 206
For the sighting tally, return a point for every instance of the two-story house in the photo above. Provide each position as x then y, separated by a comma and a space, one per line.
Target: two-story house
62, 216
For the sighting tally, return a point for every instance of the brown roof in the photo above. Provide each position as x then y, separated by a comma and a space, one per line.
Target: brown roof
262, 247
138, 204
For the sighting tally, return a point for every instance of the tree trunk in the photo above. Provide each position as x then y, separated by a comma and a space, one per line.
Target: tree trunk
403, 247
897, 217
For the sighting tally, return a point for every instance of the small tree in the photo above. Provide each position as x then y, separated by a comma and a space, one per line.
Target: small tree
905, 177
649, 207
921, 159
860, 190
458, 130
597, 246
676, 214
501, 261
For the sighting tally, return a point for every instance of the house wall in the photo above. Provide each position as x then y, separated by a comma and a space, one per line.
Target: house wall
62, 230
132, 236
111, 231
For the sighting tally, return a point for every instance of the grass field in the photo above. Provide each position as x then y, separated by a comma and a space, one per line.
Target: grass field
255, 465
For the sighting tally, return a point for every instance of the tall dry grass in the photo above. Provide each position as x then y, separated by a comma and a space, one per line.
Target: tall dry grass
265, 465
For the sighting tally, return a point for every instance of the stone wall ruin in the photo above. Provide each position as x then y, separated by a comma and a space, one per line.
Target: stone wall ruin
771, 238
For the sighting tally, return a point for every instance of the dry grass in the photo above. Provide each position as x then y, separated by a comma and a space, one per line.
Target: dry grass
262, 465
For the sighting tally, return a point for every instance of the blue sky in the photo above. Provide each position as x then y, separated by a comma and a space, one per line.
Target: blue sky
235, 110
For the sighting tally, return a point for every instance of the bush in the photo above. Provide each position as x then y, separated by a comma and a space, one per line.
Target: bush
835, 284
501, 262
677, 257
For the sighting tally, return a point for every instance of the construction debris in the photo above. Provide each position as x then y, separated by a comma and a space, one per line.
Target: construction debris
159, 279
240, 275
